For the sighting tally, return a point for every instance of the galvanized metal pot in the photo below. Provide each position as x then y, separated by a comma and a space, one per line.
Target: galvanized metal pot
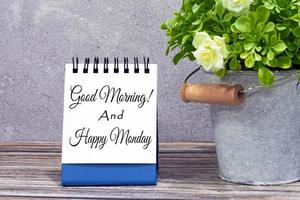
258, 142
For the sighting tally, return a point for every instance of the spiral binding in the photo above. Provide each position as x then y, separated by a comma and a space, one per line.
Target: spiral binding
105, 65
75, 61
126, 69
96, 63
116, 65
75, 65
86, 65
136, 65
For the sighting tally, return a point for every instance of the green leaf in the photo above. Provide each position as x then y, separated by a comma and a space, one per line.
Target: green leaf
241, 36
178, 57
260, 27
218, 29
265, 76
191, 57
221, 73
257, 57
186, 38
280, 27
273, 40
186, 6
290, 46
270, 27
244, 55
237, 47
195, 8
296, 61
243, 24
264, 52
284, 62
290, 54
258, 48
283, 4
249, 62
263, 13
219, 8
253, 17
227, 38
234, 64
297, 3
163, 26
249, 46
228, 17
265, 60
270, 55
279, 47
269, 6
167, 50
285, 33
273, 63
296, 32
297, 42
170, 22
197, 22
233, 28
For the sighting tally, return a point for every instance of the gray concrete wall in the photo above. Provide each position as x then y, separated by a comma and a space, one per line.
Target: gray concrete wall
38, 37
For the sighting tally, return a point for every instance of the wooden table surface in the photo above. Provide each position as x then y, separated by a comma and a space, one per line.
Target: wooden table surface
187, 171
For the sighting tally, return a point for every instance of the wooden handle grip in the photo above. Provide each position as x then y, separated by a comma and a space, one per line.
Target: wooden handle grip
212, 93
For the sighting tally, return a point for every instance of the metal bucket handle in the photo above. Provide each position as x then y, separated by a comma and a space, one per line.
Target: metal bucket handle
221, 93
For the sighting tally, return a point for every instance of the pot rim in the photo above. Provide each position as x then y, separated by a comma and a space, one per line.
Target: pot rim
276, 72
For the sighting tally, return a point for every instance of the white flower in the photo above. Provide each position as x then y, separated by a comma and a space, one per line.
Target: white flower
221, 42
210, 53
236, 5
199, 37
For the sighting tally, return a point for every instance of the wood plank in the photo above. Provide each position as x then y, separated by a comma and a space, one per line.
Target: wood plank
187, 171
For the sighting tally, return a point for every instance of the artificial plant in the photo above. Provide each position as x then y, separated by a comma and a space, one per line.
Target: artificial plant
221, 35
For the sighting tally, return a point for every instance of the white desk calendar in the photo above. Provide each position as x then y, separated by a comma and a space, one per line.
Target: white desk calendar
110, 123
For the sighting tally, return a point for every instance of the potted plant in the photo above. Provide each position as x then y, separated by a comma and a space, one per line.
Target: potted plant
254, 43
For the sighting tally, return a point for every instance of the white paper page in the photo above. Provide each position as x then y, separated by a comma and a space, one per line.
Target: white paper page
91, 134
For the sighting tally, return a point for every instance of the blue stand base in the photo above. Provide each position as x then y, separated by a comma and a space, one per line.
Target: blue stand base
108, 174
